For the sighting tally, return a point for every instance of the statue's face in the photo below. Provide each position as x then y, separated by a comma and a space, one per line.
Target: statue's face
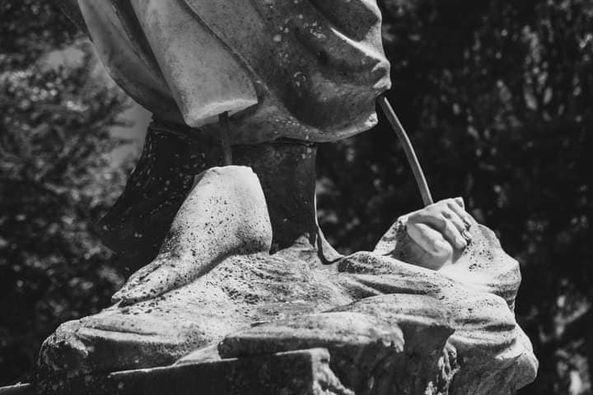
330, 53
316, 63
304, 69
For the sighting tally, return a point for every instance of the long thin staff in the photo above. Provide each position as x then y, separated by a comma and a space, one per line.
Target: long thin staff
227, 151
408, 148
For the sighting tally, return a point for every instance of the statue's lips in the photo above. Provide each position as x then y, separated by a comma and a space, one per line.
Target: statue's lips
381, 72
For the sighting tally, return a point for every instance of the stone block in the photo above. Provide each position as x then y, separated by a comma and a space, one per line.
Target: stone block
299, 372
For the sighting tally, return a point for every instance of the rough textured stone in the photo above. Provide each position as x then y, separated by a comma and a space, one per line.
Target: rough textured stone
399, 350
300, 372
236, 292
138, 223
225, 215
309, 70
479, 289
430, 331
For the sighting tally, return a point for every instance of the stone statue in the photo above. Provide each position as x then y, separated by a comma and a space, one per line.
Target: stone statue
229, 261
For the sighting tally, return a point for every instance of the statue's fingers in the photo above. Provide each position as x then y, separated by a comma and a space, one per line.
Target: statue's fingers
460, 211
454, 236
455, 219
439, 221
429, 239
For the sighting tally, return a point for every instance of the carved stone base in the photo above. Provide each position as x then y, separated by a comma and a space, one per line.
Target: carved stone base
300, 372
390, 327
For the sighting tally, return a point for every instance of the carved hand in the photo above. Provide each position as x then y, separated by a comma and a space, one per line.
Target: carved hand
438, 233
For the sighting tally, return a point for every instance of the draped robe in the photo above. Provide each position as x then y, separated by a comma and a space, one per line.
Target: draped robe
307, 69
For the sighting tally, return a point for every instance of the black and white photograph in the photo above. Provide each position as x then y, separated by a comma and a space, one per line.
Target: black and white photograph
261, 197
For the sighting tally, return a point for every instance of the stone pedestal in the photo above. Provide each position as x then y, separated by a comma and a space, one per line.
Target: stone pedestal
224, 285
300, 372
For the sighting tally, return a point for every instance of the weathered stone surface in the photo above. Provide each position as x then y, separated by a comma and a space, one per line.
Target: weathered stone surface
138, 223
224, 213
300, 372
429, 330
236, 293
479, 289
387, 344
309, 70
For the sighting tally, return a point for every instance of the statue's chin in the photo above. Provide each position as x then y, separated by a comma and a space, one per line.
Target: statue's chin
268, 123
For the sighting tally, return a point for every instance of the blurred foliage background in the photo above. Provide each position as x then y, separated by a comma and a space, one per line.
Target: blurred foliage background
55, 180
497, 97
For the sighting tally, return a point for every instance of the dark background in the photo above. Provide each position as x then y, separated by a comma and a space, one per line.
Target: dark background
496, 96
